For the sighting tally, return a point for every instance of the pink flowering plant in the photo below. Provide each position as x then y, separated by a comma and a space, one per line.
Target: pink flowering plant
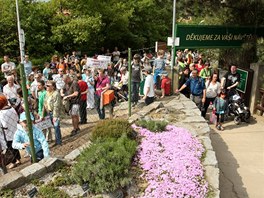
171, 163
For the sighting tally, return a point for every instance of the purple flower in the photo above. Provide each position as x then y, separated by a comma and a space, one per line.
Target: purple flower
171, 163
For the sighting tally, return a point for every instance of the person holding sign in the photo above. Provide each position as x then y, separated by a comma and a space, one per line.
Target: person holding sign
21, 139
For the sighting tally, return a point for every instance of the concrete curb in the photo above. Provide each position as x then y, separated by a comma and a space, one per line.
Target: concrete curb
16, 179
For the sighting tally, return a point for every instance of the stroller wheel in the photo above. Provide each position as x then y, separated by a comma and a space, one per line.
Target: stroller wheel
247, 117
237, 120
226, 116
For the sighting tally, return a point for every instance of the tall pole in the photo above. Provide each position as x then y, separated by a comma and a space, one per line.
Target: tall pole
24, 89
173, 51
129, 82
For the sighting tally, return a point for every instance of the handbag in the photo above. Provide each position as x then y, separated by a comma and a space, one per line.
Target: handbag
8, 156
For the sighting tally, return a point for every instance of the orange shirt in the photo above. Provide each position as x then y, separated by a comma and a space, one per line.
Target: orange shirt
61, 66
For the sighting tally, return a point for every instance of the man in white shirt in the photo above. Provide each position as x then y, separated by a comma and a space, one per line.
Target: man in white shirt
7, 66
10, 91
58, 78
149, 91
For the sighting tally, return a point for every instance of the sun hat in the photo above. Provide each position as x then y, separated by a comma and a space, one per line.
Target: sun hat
23, 116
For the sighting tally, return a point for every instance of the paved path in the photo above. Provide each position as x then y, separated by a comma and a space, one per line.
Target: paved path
240, 153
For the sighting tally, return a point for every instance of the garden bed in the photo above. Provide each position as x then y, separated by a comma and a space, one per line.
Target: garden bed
171, 163
164, 162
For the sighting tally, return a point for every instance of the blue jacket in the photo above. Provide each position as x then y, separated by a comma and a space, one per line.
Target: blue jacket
21, 136
196, 85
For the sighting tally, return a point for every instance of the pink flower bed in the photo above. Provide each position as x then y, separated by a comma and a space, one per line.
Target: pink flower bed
171, 163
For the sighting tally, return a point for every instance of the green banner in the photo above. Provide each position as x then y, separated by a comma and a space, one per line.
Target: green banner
243, 80
207, 36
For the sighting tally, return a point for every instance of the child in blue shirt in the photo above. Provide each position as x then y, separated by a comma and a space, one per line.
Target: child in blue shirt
220, 107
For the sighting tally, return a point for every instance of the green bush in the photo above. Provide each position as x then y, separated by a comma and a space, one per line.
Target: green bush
7, 193
111, 129
105, 166
47, 191
154, 126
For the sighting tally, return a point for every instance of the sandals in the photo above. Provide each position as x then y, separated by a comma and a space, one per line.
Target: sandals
18, 162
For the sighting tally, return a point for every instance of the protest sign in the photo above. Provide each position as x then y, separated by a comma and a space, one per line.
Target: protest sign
44, 124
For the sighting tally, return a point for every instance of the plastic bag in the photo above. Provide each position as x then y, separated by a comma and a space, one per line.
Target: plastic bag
213, 117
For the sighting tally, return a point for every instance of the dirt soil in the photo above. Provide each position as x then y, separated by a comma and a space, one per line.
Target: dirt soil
68, 144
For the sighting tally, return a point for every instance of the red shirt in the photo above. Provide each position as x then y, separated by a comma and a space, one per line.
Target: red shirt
83, 87
199, 67
166, 85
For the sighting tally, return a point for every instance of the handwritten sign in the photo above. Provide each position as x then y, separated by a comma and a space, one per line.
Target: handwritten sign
106, 58
44, 124
96, 63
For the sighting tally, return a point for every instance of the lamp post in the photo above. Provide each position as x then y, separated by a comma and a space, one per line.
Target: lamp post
24, 89
173, 49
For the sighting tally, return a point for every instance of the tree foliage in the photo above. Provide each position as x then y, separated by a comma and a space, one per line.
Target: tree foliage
57, 26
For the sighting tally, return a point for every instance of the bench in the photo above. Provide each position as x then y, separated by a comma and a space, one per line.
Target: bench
260, 106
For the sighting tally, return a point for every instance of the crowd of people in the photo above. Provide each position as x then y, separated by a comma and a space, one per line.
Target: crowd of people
202, 84
68, 84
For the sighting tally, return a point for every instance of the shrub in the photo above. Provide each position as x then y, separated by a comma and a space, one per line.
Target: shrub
154, 126
7, 193
111, 129
105, 166
64, 177
48, 191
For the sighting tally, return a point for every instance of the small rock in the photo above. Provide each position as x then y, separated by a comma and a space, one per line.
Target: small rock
51, 163
212, 176
73, 155
11, 180
34, 171
210, 159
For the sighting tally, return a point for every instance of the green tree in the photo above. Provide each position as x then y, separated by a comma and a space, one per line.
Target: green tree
8, 28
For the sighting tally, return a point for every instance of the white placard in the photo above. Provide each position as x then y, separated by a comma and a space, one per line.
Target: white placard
101, 57
95, 63
177, 41
44, 124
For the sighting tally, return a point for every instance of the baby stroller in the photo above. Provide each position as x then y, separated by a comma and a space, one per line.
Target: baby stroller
238, 109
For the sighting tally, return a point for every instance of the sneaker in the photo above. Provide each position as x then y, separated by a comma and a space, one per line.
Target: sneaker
222, 128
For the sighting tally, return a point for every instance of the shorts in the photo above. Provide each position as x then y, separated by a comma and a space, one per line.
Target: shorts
74, 111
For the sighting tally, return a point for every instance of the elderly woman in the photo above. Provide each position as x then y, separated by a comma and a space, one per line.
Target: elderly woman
10, 91
8, 123
52, 106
